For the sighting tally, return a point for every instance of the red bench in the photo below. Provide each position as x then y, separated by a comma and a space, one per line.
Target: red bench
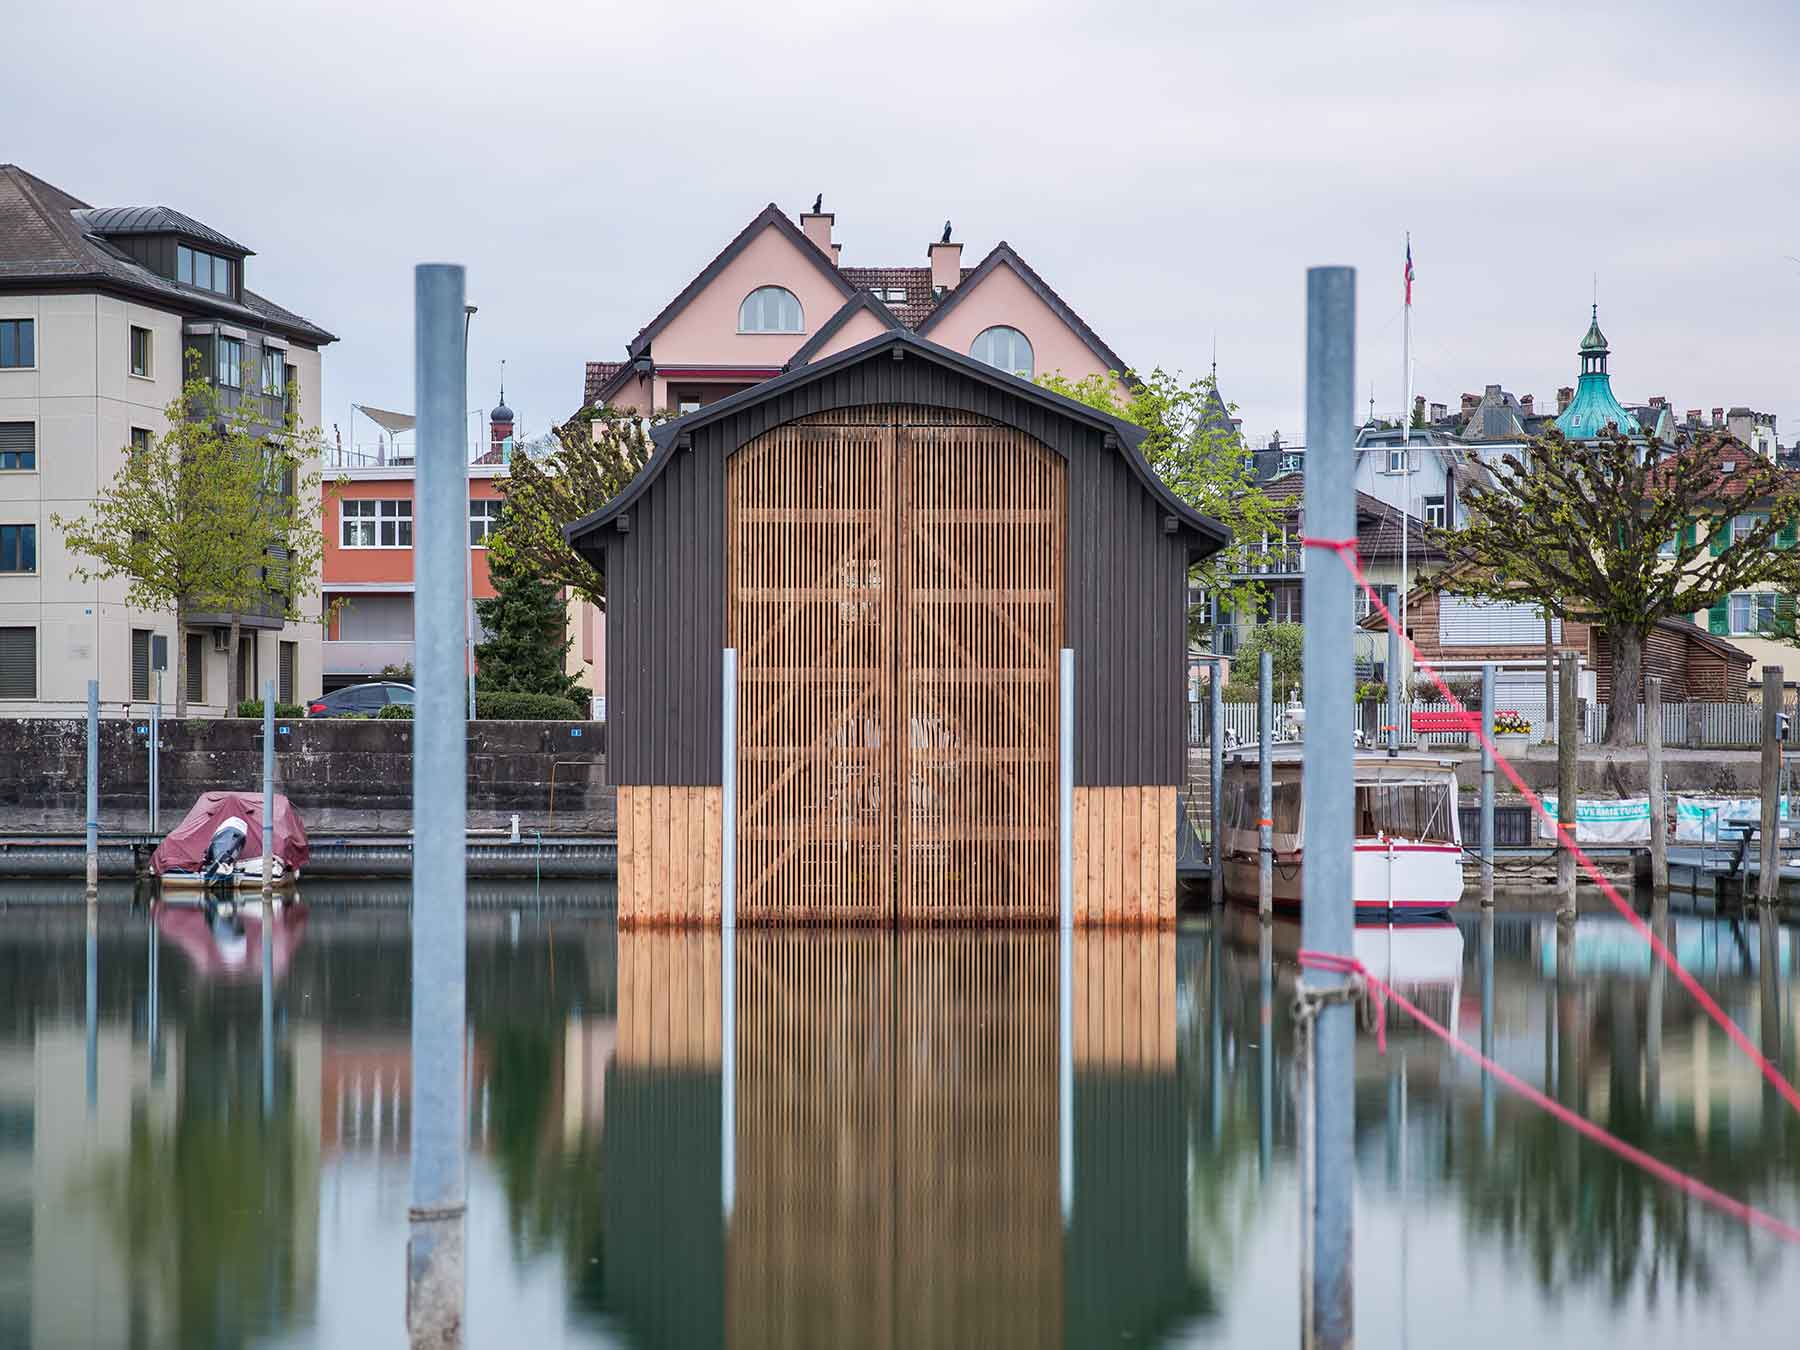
1442, 723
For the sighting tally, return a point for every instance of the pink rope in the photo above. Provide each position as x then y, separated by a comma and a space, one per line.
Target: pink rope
1747, 1214
1346, 549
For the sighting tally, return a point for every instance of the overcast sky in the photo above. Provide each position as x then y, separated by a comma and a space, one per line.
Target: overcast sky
1171, 169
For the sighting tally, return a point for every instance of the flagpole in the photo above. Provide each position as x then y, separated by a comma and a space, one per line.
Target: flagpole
1406, 440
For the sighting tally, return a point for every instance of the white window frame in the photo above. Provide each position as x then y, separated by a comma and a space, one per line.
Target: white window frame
1019, 334
488, 518
149, 370
383, 516
1437, 507
744, 305
1758, 605
37, 449
36, 560
1400, 455
277, 357
237, 366
32, 320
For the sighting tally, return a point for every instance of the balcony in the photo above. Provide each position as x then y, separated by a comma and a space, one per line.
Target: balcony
364, 658
1275, 561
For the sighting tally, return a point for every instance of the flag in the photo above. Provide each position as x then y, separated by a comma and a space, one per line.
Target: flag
1409, 271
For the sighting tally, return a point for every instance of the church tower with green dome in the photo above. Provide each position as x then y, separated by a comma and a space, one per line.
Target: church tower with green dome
1594, 408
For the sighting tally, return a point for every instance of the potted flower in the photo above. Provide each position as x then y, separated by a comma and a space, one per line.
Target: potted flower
1512, 733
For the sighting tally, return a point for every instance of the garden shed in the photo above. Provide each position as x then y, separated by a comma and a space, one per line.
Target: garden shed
897, 541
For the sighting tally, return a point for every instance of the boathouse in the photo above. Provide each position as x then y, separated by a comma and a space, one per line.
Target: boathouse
897, 541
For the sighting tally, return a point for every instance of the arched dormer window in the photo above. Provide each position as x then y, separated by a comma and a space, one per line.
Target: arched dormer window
1004, 348
771, 309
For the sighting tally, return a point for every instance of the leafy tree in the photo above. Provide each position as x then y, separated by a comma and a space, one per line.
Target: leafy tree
598, 451
527, 639
1605, 533
1283, 642
1195, 450
219, 513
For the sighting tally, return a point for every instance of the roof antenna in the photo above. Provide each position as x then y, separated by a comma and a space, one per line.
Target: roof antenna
503, 380
1215, 360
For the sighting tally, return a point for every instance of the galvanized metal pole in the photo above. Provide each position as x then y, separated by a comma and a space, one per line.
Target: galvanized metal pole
1487, 784
1326, 917
1768, 883
435, 1280
1393, 666
93, 791
156, 755
1265, 786
1215, 781
1653, 769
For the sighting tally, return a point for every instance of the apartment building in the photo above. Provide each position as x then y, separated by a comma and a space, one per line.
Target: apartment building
100, 310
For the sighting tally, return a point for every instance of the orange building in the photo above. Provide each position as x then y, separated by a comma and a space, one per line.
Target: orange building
367, 569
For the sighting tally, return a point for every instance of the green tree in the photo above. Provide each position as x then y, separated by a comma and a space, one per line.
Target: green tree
1283, 643
1607, 533
1193, 447
598, 451
220, 513
527, 643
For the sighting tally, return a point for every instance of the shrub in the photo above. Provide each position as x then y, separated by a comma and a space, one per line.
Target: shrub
1511, 724
509, 705
403, 674
395, 712
252, 707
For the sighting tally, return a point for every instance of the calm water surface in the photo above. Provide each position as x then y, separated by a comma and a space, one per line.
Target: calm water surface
186, 1163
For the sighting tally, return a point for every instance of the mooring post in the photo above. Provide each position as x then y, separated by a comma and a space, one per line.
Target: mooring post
1487, 783
1653, 770
1265, 786
435, 1279
1768, 884
1568, 760
1215, 781
93, 791
1326, 920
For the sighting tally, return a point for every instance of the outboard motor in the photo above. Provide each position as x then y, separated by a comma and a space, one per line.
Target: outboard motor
226, 847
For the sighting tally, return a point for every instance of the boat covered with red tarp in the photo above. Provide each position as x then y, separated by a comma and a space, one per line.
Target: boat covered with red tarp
182, 856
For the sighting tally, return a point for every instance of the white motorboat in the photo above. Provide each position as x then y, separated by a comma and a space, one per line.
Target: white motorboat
1408, 838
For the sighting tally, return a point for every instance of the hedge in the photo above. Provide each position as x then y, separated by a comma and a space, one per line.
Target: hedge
395, 712
506, 705
252, 707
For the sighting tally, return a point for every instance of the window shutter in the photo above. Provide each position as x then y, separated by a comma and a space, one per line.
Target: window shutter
1785, 538
1720, 538
18, 663
1718, 618
285, 692
140, 665
1689, 533
18, 441
1784, 611
196, 668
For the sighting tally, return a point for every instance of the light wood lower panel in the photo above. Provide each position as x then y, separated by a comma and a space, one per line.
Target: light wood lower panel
669, 850
1125, 856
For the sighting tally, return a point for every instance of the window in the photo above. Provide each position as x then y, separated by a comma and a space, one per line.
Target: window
1752, 613
249, 685
140, 441
770, 309
290, 659
205, 271
290, 385
1290, 464
274, 372
484, 519
1005, 349
892, 295
685, 406
18, 548
1434, 512
18, 445
140, 351
140, 665
1398, 458
18, 344
375, 524
196, 667
18, 663
230, 363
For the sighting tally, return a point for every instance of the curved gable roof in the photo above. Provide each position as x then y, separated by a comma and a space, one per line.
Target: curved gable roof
1003, 255
1128, 437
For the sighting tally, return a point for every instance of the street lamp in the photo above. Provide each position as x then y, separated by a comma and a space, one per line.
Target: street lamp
469, 565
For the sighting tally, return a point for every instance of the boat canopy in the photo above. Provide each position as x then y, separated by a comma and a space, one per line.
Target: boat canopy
184, 850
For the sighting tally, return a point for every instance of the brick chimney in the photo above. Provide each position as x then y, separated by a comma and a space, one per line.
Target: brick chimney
1528, 404
1418, 407
1718, 417
1564, 397
1658, 401
1693, 417
816, 226
1439, 412
1469, 402
946, 266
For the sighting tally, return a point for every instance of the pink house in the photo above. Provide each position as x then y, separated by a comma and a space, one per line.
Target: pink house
778, 297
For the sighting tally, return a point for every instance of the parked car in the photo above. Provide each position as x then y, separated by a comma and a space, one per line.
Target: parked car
365, 700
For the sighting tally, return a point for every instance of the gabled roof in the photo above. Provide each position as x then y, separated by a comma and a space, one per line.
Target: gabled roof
668, 437
915, 281
1377, 523
1003, 255
855, 305
45, 242
601, 377
770, 215
153, 220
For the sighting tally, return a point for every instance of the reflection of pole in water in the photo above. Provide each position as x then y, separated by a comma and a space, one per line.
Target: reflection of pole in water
1568, 1031
1653, 1011
1215, 1031
1265, 1046
268, 1011
153, 1008
1487, 1024
728, 1068
93, 1009
1768, 971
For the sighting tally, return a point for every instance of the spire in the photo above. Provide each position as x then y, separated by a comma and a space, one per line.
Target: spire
501, 412
1594, 407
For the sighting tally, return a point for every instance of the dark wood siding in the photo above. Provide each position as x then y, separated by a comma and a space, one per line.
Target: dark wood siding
1127, 589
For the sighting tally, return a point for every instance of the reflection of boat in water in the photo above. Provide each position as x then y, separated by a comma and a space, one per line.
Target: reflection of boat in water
1420, 956
1408, 837
222, 938
220, 842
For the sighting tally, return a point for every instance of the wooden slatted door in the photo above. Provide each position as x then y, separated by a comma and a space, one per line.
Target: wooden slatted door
897, 605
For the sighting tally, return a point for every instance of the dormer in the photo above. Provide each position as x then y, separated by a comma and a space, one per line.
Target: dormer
174, 246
